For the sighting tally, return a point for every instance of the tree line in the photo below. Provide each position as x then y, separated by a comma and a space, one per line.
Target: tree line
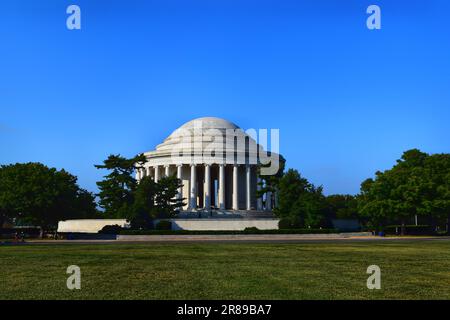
417, 186
33, 194
121, 196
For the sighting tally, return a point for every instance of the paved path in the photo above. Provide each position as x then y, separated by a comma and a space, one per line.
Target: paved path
271, 238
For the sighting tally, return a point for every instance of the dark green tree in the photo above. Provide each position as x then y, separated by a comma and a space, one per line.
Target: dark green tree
117, 188
167, 199
32, 193
6, 215
144, 206
436, 190
417, 185
155, 200
86, 205
271, 182
299, 200
341, 206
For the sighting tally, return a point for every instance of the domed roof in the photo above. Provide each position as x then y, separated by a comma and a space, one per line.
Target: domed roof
204, 130
200, 135
209, 123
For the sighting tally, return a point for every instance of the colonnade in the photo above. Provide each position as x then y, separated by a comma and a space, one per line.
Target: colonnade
154, 171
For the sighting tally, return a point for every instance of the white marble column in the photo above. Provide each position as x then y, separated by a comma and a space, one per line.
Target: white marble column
269, 201
193, 188
275, 205
248, 187
259, 203
235, 187
179, 177
138, 174
149, 173
156, 173
207, 187
222, 187
166, 171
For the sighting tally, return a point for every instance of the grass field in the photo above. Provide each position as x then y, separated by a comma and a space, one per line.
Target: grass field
410, 270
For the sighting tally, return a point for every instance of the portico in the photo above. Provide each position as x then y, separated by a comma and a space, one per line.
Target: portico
216, 175
214, 187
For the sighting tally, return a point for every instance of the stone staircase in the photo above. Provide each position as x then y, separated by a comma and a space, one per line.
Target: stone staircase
226, 214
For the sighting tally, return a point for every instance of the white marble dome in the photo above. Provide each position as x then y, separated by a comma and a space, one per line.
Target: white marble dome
209, 123
198, 134
217, 163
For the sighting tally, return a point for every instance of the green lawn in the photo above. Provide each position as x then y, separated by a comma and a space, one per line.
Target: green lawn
410, 270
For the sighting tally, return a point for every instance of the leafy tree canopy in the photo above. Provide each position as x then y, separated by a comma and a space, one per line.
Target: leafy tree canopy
32, 193
155, 200
299, 200
122, 196
116, 190
341, 206
419, 184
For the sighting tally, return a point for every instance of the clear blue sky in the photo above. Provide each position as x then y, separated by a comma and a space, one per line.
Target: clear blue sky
348, 101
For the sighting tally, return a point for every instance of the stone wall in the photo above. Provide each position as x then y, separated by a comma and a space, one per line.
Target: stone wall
89, 225
95, 225
223, 224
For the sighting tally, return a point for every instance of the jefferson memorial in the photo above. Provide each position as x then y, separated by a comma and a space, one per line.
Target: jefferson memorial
223, 170
219, 166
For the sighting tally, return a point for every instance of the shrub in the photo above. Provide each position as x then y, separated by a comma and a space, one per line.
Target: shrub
289, 223
164, 225
284, 223
206, 232
112, 229
410, 230
251, 229
9, 233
